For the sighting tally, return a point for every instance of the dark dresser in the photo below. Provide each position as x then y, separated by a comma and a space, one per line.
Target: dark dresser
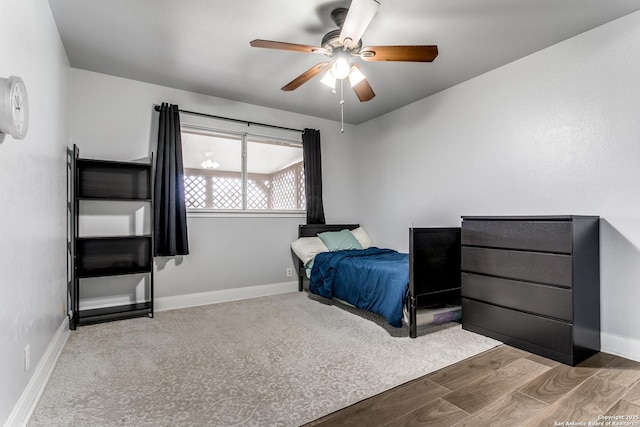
533, 282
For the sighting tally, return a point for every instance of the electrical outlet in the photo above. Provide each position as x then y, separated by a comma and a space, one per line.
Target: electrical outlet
27, 357
289, 272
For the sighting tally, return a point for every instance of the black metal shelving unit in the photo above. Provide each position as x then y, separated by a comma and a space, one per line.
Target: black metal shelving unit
101, 256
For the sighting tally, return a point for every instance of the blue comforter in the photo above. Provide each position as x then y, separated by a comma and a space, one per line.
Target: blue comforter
373, 279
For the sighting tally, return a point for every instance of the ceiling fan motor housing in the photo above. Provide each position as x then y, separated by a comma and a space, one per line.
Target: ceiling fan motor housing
331, 40
339, 15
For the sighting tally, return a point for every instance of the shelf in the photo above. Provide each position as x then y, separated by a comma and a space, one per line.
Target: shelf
114, 237
87, 274
106, 256
107, 180
105, 314
112, 199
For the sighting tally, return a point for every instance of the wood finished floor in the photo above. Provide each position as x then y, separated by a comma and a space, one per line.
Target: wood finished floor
506, 387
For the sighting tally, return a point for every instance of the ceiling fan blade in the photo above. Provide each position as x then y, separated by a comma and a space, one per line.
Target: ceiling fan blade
269, 44
364, 91
399, 53
360, 14
306, 76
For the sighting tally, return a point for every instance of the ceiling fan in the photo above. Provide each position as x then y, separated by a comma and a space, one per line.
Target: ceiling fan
345, 43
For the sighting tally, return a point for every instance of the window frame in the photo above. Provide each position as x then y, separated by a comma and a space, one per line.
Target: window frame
242, 212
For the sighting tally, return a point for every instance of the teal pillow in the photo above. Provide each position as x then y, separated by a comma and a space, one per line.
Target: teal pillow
339, 240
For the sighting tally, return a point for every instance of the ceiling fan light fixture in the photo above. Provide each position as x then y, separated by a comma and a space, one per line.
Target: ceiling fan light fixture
356, 76
210, 164
340, 68
329, 80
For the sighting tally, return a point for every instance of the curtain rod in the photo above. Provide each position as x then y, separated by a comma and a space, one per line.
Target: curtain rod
195, 113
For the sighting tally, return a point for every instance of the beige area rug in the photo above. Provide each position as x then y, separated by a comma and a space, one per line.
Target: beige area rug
273, 361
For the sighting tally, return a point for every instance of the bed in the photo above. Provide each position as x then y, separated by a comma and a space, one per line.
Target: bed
423, 283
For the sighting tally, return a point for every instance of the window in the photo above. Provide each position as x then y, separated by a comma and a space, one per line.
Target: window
232, 171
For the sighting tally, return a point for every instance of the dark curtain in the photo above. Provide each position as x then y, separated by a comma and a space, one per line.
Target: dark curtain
313, 176
170, 213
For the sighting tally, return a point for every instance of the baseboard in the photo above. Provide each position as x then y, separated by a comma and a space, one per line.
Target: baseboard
34, 389
225, 295
628, 348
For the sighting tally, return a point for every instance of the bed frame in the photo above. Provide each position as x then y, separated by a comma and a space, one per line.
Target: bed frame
434, 266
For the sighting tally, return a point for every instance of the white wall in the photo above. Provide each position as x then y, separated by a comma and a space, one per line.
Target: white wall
554, 133
557, 132
32, 195
113, 118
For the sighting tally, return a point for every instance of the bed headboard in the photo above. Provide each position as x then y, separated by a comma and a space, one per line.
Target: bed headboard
312, 230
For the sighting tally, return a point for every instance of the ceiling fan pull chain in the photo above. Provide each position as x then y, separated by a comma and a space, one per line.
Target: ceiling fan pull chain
342, 105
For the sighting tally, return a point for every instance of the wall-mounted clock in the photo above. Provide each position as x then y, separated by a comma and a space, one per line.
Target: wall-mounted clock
14, 107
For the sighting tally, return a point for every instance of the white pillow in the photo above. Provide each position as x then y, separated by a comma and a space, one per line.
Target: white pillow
306, 248
362, 237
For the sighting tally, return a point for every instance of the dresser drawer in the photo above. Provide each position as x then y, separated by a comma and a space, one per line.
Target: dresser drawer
537, 299
544, 236
553, 269
542, 332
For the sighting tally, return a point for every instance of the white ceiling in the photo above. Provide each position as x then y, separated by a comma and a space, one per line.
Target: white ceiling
202, 46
